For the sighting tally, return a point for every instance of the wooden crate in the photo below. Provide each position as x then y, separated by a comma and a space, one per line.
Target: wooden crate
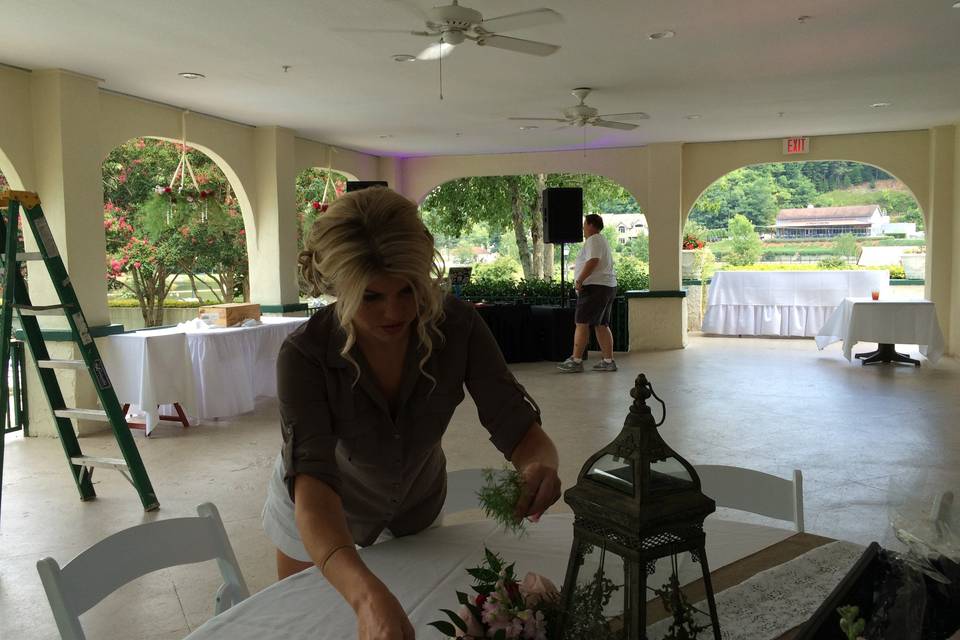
229, 314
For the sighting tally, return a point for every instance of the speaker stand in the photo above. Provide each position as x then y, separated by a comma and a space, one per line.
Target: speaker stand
563, 277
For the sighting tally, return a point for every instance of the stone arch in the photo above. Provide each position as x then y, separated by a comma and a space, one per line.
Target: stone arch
10, 172
903, 154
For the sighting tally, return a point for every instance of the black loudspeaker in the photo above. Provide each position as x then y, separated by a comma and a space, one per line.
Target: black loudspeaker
356, 185
562, 214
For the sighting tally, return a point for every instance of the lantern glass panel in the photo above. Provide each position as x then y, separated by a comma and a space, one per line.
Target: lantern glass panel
669, 474
613, 472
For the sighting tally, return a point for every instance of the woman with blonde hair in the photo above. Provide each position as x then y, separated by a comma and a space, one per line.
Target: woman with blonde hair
367, 388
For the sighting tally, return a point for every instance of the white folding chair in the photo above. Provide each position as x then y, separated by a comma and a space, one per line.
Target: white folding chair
129, 554
462, 488
754, 491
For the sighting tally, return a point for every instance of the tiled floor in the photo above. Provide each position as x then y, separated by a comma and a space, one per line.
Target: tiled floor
775, 405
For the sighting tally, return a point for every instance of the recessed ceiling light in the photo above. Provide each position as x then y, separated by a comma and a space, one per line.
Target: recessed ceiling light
881, 105
458, 133
404, 57
804, 19
528, 127
384, 136
693, 116
190, 75
661, 35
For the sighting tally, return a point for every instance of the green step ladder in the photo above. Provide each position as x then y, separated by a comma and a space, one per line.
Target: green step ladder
13, 206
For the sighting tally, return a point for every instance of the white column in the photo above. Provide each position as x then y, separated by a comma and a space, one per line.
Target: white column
68, 178
664, 214
942, 228
272, 246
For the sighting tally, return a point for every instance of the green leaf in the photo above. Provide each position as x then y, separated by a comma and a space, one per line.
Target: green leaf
456, 619
500, 635
463, 598
444, 627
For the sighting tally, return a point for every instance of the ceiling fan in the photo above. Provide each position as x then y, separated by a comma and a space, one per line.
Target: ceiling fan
583, 115
453, 24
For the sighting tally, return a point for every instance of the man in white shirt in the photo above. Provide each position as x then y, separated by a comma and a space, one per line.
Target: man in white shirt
596, 287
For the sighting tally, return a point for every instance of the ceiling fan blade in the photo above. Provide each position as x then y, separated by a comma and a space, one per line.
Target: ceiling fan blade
609, 124
519, 45
538, 119
435, 51
404, 31
521, 20
639, 115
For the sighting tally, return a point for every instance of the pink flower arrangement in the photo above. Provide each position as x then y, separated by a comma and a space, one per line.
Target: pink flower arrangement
504, 607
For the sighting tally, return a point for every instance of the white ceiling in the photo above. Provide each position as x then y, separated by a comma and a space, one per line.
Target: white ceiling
739, 64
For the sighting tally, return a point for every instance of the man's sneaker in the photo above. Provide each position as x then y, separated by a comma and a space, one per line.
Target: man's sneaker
570, 366
603, 365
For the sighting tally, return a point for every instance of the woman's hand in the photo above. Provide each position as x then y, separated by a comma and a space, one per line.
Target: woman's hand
380, 617
541, 488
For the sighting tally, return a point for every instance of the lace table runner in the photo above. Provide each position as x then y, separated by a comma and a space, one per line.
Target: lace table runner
774, 601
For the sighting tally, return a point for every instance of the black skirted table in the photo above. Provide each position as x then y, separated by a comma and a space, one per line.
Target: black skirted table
528, 333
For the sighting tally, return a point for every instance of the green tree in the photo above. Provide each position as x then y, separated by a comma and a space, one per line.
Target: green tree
845, 245
745, 244
154, 236
505, 203
502, 269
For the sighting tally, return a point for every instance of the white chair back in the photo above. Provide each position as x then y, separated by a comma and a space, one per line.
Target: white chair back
462, 488
754, 491
129, 554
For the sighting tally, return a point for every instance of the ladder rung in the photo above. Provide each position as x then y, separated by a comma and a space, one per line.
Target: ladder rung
62, 364
94, 461
21, 257
83, 414
40, 309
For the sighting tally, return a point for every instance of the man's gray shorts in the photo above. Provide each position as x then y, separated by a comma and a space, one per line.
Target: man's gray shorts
595, 305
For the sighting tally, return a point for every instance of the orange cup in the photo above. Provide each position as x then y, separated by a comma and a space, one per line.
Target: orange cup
875, 294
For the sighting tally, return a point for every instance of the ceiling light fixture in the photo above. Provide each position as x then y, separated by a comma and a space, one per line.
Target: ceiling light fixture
881, 105
662, 35
956, 5
190, 75
384, 136
804, 19
693, 116
528, 127
404, 57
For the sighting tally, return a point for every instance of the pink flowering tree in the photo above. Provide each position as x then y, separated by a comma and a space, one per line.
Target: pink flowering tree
311, 203
155, 232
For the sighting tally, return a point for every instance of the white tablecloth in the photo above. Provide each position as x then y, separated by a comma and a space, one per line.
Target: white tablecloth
425, 570
782, 303
884, 322
212, 373
148, 368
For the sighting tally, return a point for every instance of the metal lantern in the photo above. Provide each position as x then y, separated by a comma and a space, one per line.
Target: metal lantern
638, 499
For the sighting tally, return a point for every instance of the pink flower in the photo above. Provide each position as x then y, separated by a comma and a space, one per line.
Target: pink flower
536, 588
137, 264
474, 628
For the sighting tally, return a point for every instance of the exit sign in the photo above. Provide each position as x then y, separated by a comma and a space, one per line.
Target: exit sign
796, 145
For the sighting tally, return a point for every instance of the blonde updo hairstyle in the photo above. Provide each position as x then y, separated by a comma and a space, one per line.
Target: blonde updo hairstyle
367, 234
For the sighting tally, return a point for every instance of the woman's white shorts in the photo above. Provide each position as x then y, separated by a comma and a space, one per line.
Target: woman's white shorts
279, 522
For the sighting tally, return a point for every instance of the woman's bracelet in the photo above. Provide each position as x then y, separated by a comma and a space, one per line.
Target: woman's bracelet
323, 565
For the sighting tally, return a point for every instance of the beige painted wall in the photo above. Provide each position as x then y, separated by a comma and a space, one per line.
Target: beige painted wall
16, 132
657, 323
954, 335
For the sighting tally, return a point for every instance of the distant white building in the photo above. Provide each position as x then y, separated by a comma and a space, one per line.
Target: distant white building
827, 222
908, 229
628, 225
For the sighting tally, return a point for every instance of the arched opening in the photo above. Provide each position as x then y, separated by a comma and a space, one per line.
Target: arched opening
175, 234
316, 189
807, 216
494, 225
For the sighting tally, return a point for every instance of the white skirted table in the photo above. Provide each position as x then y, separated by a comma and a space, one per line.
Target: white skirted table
212, 373
888, 323
426, 569
782, 303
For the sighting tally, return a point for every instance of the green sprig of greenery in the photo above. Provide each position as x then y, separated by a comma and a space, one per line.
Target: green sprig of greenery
850, 621
499, 496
